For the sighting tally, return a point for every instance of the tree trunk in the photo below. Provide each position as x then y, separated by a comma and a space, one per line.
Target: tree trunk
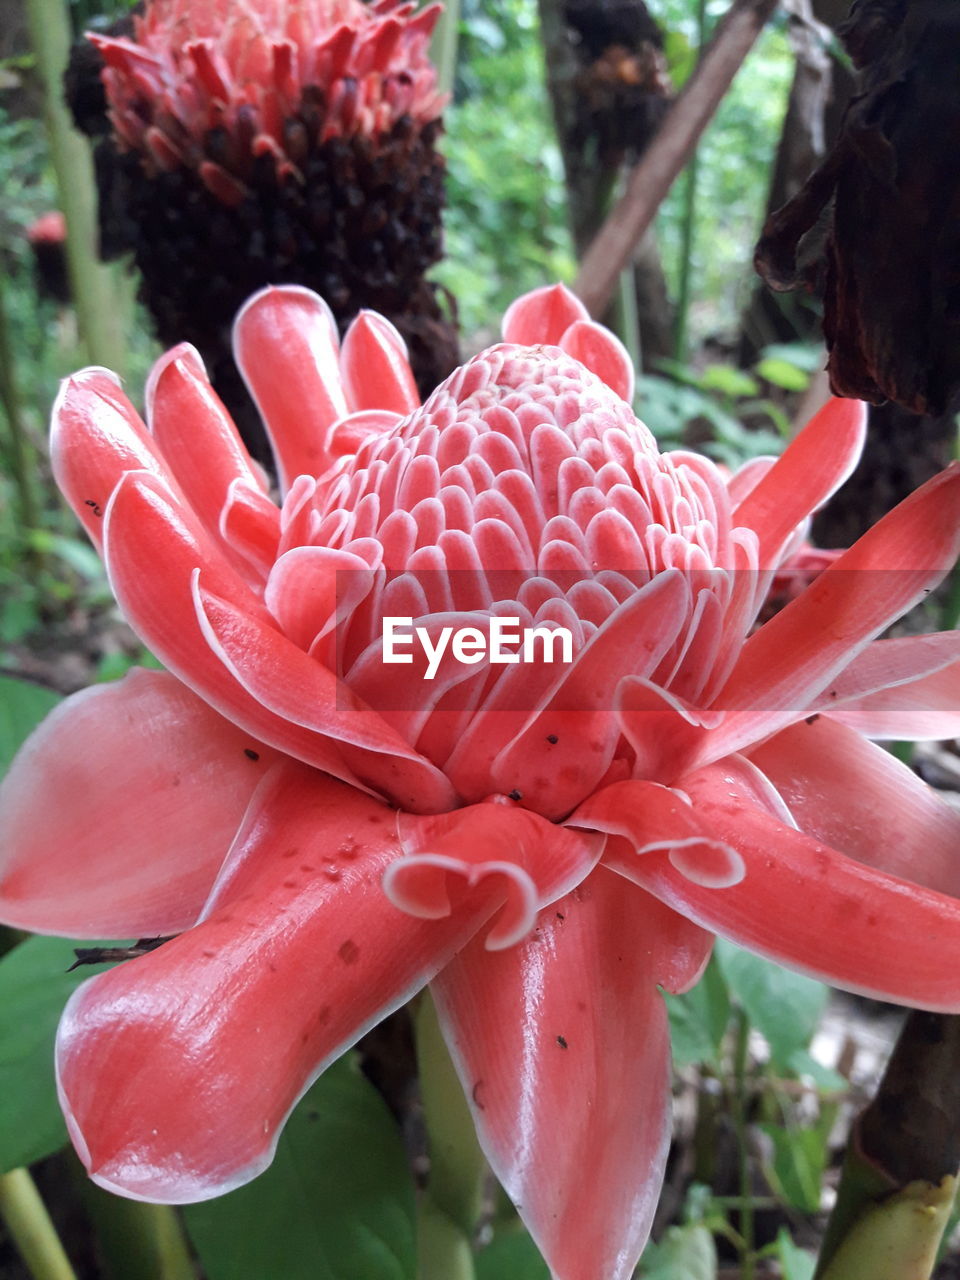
608, 88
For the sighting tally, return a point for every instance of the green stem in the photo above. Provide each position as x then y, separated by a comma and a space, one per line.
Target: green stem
90, 281
443, 46
747, 1259
28, 1223
452, 1203
681, 336
138, 1241
19, 450
897, 1182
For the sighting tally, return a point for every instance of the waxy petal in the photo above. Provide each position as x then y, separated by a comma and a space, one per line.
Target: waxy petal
189, 423
810, 469
861, 800
298, 389
177, 1070
603, 353
543, 315
120, 808
792, 659
907, 688
536, 860
562, 1047
656, 818
287, 683
808, 906
153, 548
375, 367
96, 436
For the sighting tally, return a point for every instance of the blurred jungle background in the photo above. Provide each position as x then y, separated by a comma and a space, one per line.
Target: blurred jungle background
551, 108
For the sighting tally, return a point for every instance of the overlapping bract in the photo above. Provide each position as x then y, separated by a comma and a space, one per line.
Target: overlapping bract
332, 835
255, 74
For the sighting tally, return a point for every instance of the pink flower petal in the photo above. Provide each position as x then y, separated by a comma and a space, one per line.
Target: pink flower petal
793, 658
286, 346
810, 469
655, 818
859, 799
536, 861
152, 550
907, 688
603, 353
177, 1070
562, 1047
375, 367
542, 316
806, 905
287, 683
120, 808
95, 436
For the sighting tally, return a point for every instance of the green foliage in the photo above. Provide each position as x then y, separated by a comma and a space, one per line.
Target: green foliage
735, 155
506, 229
685, 1253
34, 986
336, 1204
796, 1263
511, 1257
22, 707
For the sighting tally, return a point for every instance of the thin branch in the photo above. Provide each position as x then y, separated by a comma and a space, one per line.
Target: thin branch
669, 151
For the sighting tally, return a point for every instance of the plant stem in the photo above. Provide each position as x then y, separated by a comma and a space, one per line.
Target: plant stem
26, 1219
443, 46
663, 160
740, 1122
97, 312
451, 1205
901, 1158
138, 1241
688, 220
19, 451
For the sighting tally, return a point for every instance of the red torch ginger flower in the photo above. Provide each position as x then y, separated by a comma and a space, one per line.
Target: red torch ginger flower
244, 69
547, 844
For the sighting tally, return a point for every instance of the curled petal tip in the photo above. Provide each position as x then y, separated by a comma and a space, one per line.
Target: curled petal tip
543, 315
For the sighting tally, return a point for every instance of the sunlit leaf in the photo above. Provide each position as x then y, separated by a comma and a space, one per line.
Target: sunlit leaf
783, 374
784, 1007
685, 1253
795, 1262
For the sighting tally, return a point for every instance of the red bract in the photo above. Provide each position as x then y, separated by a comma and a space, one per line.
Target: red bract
244, 70
546, 844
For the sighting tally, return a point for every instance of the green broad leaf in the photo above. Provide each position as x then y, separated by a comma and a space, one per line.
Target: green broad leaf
784, 1007
799, 1163
34, 987
684, 1253
808, 356
728, 381
801, 1063
796, 1263
22, 706
336, 1204
783, 374
681, 57
511, 1257
698, 1019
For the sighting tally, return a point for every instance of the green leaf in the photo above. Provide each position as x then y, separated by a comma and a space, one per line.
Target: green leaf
795, 1263
802, 1063
784, 1007
336, 1204
728, 381
799, 1161
808, 356
34, 987
698, 1019
512, 1257
22, 707
685, 1253
783, 374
